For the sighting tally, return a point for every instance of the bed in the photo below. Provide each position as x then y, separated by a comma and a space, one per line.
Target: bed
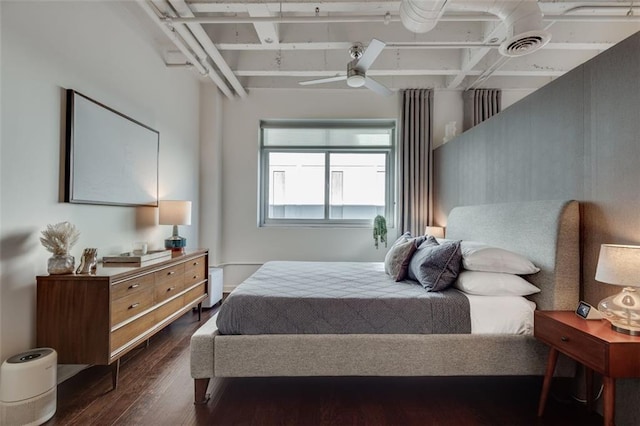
547, 232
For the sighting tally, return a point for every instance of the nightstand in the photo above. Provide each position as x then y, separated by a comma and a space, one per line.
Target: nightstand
593, 344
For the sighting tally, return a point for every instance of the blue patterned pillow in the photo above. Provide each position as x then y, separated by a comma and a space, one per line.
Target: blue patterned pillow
436, 266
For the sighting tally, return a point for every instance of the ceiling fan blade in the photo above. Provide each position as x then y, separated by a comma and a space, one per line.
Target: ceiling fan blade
373, 50
370, 83
323, 80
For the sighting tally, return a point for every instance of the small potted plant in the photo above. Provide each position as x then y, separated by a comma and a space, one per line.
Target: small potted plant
380, 230
58, 239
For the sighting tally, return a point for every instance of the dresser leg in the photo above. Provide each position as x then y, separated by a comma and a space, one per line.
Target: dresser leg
546, 385
115, 371
199, 311
609, 395
201, 386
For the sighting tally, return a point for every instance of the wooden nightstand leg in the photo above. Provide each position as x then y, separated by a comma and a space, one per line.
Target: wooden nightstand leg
546, 385
588, 375
199, 311
609, 395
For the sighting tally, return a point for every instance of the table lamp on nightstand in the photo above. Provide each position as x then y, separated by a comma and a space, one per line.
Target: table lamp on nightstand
620, 265
175, 212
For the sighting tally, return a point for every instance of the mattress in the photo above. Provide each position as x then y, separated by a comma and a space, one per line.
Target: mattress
339, 298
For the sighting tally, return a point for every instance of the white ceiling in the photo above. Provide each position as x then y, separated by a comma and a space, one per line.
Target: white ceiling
252, 44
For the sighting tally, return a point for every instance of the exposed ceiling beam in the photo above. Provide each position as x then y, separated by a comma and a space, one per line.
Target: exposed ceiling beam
267, 31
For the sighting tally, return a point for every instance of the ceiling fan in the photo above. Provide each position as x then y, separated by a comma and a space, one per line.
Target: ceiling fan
357, 69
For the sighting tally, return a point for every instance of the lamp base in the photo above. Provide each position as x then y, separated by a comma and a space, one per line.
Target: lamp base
623, 311
622, 330
176, 244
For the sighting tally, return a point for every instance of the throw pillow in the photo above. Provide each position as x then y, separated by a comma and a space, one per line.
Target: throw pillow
435, 266
396, 262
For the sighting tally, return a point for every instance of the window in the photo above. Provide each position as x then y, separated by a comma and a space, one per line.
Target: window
326, 173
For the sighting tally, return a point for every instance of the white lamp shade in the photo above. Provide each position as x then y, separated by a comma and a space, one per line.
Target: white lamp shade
174, 212
436, 231
619, 265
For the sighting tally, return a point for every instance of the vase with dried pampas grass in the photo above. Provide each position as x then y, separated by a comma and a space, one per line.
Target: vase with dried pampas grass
58, 239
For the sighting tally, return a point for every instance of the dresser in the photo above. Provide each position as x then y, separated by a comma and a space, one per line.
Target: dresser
97, 318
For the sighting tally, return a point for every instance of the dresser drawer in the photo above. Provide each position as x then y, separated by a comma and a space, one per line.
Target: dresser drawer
169, 309
194, 272
193, 294
131, 331
169, 282
130, 305
166, 290
131, 286
571, 341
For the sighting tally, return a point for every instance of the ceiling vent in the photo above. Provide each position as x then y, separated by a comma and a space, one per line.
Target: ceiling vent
522, 19
525, 43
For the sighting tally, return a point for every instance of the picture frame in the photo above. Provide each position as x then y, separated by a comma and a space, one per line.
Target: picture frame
111, 159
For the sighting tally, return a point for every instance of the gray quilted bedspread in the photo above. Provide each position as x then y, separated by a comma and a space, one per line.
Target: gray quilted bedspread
339, 298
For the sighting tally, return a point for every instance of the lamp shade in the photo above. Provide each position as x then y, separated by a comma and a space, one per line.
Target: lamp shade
174, 212
619, 265
436, 231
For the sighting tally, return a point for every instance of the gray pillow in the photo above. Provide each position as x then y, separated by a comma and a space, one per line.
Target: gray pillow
436, 266
396, 262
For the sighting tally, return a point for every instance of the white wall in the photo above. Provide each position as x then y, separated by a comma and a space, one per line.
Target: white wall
90, 47
242, 240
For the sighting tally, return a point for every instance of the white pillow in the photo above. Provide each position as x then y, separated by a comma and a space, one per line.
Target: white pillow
493, 284
481, 257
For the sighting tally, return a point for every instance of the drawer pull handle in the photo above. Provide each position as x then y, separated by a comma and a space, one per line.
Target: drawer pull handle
132, 286
564, 338
135, 305
195, 263
195, 277
171, 272
171, 288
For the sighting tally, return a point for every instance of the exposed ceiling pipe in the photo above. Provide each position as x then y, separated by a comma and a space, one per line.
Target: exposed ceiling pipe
179, 43
200, 34
522, 18
420, 16
313, 19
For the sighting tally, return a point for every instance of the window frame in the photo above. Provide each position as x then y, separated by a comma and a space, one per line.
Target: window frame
327, 150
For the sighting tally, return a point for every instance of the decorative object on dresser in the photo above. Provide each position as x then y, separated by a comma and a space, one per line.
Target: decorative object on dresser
175, 212
96, 319
593, 344
58, 239
620, 265
132, 259
89, 261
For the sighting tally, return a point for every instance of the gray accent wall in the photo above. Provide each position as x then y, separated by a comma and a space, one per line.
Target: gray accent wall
576, 138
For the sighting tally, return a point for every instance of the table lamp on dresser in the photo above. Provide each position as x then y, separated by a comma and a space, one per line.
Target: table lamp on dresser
175, 212
620, 265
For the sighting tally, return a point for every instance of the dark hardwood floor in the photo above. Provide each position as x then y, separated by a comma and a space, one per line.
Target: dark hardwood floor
156, 388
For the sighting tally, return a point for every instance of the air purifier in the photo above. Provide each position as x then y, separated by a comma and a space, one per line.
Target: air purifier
28, 387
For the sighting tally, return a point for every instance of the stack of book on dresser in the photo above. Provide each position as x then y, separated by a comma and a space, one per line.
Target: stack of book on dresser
130, 259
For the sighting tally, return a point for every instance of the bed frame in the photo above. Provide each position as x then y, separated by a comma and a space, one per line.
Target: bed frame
547, 232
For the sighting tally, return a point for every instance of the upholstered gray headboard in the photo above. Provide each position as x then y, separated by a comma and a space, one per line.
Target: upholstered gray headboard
547, 232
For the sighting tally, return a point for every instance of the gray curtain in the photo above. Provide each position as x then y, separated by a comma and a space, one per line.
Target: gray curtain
480, 104
416, 161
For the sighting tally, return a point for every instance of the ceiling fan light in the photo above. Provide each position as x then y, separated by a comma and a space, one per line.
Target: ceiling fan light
355, 80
